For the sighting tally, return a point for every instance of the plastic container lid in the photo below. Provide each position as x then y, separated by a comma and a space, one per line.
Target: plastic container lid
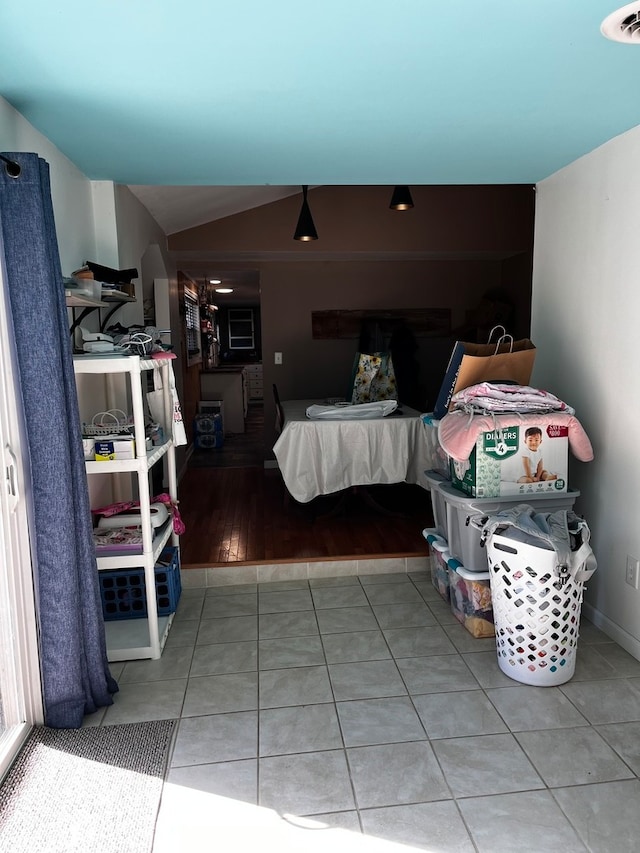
429, 419
457, 496
431, 534
471, 576
436, 479
440, 545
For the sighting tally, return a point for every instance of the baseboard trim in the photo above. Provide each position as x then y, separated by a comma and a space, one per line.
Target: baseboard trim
197, 577
627, 641
284, 561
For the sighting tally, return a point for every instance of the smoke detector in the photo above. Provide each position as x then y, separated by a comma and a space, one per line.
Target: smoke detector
623, 25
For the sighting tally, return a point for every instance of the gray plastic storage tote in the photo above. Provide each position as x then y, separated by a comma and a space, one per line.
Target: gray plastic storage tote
464, 538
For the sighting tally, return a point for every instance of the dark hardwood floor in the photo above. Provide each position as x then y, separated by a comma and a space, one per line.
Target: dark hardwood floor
236, 511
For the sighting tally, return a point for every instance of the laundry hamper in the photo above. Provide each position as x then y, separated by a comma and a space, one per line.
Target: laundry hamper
536, 608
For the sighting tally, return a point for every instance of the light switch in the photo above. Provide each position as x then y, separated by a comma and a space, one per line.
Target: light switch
278, 358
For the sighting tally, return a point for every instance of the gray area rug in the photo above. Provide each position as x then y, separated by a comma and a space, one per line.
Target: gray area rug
94, 789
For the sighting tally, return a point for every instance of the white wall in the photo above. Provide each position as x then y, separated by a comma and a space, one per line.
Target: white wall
95, 220
585, 324
71, 191
137, 231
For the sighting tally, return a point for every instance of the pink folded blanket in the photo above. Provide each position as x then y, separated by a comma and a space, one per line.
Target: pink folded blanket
501, 397
458, 432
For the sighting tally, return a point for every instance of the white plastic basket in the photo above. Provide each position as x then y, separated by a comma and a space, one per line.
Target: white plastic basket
536, 617
111, 422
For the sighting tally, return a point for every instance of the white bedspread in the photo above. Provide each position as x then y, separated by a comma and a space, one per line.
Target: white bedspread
319, 457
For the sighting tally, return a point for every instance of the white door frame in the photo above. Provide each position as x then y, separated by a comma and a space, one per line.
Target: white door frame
20, 680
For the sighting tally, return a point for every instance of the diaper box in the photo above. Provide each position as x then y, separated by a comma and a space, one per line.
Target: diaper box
524, 459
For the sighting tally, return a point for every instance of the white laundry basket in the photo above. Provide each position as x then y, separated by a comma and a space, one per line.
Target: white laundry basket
536, 617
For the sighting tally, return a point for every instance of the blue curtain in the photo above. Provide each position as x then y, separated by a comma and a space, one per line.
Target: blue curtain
75, 672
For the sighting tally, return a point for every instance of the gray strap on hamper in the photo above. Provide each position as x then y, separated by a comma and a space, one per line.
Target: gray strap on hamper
563, 531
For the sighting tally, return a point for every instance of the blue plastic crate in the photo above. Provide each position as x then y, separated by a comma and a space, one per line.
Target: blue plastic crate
208, 441
123, 592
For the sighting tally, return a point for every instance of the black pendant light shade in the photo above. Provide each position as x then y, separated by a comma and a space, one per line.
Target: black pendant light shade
305, 229
401, 199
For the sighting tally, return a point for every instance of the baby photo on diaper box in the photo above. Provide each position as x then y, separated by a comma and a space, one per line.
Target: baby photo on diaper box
522, 459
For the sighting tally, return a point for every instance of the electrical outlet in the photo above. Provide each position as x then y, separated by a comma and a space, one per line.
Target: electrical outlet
278, 358
633, 568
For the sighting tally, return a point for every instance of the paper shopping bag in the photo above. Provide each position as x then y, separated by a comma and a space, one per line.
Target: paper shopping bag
505, 360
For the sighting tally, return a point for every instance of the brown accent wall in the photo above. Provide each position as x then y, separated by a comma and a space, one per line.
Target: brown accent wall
458, 245
356, 219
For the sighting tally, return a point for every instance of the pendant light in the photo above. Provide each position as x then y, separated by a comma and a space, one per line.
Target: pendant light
305, 229
401, 199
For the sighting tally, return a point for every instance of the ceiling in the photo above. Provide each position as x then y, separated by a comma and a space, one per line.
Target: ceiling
178, 208
205, 108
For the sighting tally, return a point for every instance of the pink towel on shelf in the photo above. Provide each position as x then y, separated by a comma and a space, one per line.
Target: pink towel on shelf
458, 431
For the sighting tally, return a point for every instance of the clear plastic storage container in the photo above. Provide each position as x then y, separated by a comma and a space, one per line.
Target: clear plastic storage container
438, 562
470, 595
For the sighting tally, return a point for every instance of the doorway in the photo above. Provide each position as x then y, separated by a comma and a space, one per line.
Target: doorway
237, 511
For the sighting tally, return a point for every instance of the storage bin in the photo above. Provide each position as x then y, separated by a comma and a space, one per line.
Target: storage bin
207, 431
207, 423
123, 591
536, 618
212, 407
439, 554
430, 534
470, 596
208, 441
433, 482
464, 538
437, 459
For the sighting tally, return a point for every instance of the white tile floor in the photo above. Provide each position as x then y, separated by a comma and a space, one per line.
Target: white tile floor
356, 714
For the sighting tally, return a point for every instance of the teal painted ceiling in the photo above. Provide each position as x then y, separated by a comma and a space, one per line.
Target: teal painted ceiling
247, 92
